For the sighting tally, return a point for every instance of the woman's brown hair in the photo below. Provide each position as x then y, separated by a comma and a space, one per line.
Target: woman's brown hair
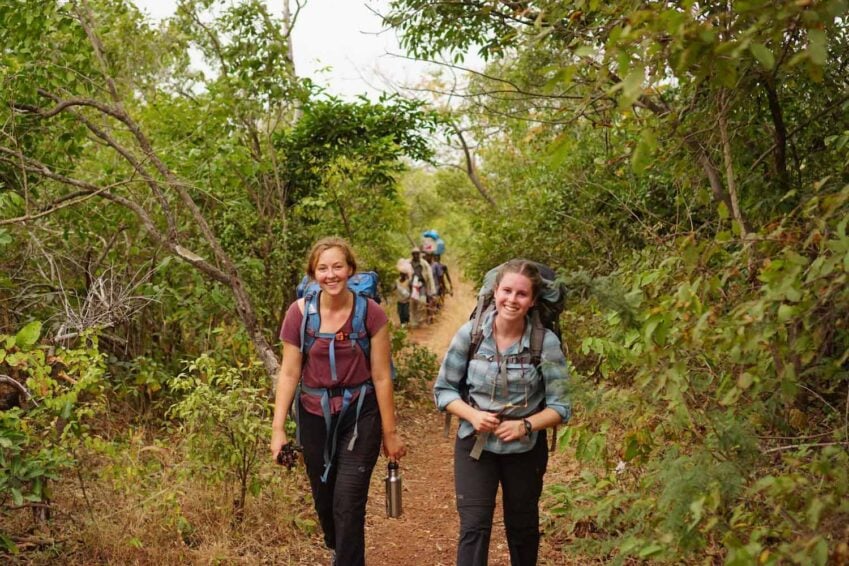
325, 244
523, 267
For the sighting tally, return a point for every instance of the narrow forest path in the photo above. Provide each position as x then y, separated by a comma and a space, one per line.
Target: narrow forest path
427, 532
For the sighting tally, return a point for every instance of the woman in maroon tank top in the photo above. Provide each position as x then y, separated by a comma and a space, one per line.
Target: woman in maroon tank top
340, 479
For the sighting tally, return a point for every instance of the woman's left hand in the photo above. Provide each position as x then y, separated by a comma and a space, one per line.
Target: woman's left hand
510, 430
393, 446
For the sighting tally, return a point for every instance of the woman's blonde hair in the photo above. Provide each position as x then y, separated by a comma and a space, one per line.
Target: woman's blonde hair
325, 244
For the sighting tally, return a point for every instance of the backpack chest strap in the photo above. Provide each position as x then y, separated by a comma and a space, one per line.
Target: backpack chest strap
352, 337
311, 324
526, 358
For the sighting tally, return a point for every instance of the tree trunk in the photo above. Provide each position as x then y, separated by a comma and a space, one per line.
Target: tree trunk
779, 133
470, 169
730, 180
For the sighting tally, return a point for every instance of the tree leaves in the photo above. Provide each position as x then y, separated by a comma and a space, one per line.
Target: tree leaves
28, 335
817, 47
763, 55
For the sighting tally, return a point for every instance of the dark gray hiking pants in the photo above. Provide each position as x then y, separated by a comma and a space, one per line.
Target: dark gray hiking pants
341, 502
476, 485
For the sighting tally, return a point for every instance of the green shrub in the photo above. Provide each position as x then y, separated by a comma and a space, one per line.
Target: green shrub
716, 423
226, 417
63, 393
415, 366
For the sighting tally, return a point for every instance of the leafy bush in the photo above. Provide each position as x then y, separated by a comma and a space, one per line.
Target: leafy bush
415, 366
60, 393
226, 417
715, 421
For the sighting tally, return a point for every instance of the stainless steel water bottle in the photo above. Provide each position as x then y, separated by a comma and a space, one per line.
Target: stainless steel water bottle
393, 490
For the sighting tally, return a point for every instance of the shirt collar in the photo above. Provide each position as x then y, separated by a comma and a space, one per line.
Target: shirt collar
486, 327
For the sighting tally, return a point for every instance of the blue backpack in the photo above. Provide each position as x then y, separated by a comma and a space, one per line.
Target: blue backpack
365, 286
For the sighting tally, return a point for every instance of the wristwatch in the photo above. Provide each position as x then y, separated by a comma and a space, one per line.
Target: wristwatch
528, 427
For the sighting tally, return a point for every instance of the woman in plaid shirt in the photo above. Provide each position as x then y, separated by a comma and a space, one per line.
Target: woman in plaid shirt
505, 406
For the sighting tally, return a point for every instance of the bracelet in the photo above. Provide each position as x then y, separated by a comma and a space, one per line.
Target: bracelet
528, 427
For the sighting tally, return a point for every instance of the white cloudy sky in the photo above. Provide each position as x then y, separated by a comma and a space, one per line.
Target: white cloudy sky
345, 36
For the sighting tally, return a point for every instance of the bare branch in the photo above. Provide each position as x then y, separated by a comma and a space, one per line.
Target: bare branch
131, 159
730, 181
470, 167
805, 445
19, 386
75, 199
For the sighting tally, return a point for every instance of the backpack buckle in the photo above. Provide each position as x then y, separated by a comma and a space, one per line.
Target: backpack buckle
340, 336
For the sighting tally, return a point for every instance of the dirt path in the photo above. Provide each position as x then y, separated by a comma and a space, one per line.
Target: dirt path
426, 534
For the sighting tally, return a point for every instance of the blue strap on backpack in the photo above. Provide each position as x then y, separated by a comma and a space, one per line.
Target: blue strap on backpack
364, 286
311, 323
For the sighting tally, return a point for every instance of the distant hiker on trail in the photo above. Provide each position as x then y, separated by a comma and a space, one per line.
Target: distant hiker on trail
441, 279
506, 395
441, 276
422, 287
403, 291
345, 406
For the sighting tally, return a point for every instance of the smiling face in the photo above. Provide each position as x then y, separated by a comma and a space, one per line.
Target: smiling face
514, 296
332, 271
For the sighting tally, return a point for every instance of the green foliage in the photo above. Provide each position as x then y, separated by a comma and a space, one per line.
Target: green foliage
377, 135
267, 163
225, 416
26, 466
38, 438
718, 368
415, 366
611, 137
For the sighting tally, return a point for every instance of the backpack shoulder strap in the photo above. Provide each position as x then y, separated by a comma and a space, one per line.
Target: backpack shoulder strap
537, 338
484, 304
360, 332
311, 322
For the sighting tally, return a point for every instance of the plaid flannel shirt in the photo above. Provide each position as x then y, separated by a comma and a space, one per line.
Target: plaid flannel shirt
515, 392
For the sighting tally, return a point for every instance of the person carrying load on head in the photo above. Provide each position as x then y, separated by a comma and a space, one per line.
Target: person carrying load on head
504, 375
336, 369
422, 286
434, 301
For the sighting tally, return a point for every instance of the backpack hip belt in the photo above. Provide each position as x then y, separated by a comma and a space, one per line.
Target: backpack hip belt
332, 432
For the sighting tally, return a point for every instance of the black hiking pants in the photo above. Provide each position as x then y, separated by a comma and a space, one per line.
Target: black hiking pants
341, 502
476, 485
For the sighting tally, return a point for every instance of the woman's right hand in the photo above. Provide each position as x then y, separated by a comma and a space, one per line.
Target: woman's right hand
278, 441
483, 421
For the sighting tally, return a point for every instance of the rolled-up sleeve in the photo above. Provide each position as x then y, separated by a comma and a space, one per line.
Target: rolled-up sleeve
454, 365
555, 371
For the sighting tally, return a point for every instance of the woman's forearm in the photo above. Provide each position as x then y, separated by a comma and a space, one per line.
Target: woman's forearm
461, 409
287, 382
546, 418
283, 399
384, 392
